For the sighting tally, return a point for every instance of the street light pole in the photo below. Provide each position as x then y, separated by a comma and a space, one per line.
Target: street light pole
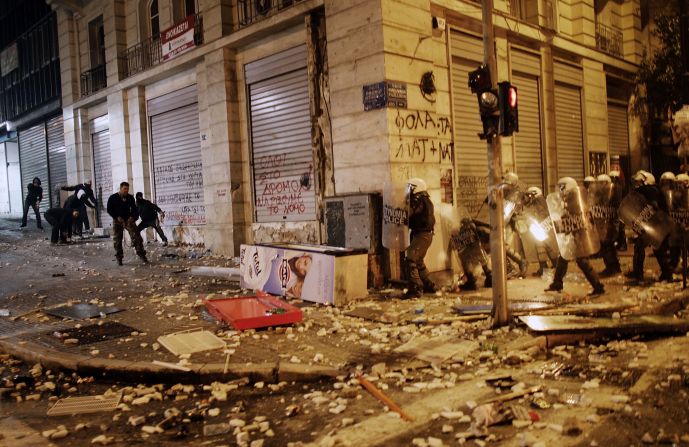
497, 221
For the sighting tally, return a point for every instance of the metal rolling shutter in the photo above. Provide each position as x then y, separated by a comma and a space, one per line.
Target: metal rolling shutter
177, 165
282, 158
569, 132
33, 159
618, 131
56, 158
470, 151
529, 154
102, 172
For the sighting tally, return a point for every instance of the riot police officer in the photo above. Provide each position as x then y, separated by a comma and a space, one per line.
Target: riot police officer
588, 181
421, 224
568, 186
621, 243
513, 199
644, 183
536, 212
604, 199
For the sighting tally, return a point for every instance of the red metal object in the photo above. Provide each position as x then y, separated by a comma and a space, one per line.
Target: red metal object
251, 312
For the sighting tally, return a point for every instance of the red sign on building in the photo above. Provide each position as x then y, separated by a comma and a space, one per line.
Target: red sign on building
178, 39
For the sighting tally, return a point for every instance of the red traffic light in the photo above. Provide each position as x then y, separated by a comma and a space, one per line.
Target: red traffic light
512, 97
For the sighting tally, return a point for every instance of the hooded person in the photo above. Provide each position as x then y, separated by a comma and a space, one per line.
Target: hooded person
83, 192
61, 221
567, 186
644, 183
421, 224
148, 212
34, 195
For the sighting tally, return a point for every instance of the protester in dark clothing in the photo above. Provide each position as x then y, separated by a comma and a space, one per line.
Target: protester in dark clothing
84, 193
148, 212
122, 208
33, 199
421, 224
61, 220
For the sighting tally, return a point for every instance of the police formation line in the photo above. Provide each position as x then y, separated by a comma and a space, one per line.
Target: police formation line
571, 224
72, 217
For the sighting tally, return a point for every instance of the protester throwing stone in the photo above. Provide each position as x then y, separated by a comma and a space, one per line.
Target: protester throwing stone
122, 208
149, 211
34, 195
61, 220
84, 193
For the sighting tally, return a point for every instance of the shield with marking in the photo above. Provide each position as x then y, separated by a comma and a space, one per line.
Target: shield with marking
395, 217
575, 231
645, 219
538, 223
603, 203
464, 239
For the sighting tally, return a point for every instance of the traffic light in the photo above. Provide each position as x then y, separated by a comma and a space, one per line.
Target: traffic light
509, 109
481, 85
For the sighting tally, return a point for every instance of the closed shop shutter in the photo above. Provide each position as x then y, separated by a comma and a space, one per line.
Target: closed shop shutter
33, 159
569, 132
618, 132
102, 171
177, 165
56, 158
470, 151
282, 157
529, 153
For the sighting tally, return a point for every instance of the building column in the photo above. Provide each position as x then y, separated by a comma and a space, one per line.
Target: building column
548, 116
114, 22
632, 36
217, 18
120, 149
69, 61
77, 145
225, 194
138, 140
584, 22
595, 113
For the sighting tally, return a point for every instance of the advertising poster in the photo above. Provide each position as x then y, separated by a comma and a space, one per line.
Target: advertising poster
290, 272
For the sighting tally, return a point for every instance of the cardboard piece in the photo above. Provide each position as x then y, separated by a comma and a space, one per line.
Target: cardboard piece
437, 349
190, 342
251, 312
85, 405
321, 274
481, 309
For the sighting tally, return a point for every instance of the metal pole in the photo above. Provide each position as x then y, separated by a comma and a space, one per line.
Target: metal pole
497, 221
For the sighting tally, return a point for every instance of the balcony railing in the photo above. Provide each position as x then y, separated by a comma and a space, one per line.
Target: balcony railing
93, 80
609, 40
252, 11
148, 53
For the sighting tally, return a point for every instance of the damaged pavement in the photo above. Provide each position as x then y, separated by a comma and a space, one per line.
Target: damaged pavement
91, 358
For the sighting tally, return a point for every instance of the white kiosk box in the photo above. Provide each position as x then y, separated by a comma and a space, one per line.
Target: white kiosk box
318, 273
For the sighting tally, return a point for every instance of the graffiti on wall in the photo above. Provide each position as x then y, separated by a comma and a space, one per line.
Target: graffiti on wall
179, 191
471, 192
283, 187
423, 136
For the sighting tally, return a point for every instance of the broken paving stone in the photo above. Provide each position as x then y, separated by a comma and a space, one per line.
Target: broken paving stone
102, 440
216, 429
647, 438
571, 427
256, 443
151, 429
452, 414
135, 421
213, 412
237, 423
447, 428
338, 409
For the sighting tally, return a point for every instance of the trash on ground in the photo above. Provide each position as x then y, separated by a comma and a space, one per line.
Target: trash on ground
628, 325
191, 341
81, 311
231, 273
515, 308
251, 312
4, 312
171, 365
436, 350
84, 405
375, 392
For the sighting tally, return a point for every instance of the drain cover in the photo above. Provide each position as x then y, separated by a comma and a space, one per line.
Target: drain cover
84, 405
81, 311
96, 333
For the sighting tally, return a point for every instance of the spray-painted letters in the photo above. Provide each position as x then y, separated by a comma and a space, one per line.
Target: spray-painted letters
423, 137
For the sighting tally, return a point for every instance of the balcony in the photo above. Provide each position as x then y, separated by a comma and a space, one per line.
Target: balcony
609, 40
148, 53
93, 80
252, 11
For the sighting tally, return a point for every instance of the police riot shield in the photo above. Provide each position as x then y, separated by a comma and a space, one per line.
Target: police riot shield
395, 217
678, 206
603, 203
644, 218
538, 224
464, 239
574, 229
513, 197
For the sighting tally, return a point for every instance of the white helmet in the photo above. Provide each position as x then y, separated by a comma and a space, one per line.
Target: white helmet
416, 185
683, 178
589, 179
534, 191
566, 184
667, 176
614, 174
643, 178
511, 178
604, 178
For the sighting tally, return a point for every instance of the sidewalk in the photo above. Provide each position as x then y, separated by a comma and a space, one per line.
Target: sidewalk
160, 299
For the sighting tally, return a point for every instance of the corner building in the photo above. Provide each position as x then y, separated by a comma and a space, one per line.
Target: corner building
240, 118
